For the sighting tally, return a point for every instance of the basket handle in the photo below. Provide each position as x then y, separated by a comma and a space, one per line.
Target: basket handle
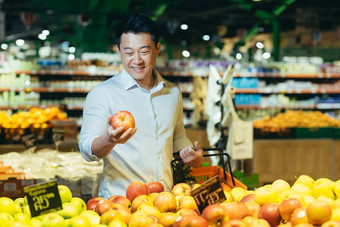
221, 154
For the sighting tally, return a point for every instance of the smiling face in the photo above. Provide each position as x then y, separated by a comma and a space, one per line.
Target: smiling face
138, 54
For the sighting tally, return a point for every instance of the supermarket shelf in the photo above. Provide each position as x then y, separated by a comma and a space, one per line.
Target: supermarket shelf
288, 91
202, 73
69, 72
49, 90
291, 75
324, 106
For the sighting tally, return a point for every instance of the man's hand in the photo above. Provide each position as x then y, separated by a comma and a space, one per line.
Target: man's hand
118, 135
192, 156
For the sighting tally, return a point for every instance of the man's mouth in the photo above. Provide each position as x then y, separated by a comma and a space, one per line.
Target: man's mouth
138, 68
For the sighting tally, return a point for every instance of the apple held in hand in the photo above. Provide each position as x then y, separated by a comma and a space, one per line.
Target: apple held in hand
123, 119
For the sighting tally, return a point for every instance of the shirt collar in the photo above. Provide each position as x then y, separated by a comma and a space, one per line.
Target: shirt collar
129, 82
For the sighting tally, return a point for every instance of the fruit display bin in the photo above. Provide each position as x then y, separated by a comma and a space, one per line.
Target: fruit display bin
314, 133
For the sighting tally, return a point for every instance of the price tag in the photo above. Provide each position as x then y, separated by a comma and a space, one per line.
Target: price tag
210, 192
29, 141
58, 135
43, 198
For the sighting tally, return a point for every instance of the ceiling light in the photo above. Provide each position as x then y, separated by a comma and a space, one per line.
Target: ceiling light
71, 50
71, 57
259, 45
266, 55
45, 32
184, 26
206, 37
4, 46
42, 36
186, 53
238, 56
20, 42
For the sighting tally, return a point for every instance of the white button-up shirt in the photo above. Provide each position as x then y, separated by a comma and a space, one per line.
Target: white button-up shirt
147, 155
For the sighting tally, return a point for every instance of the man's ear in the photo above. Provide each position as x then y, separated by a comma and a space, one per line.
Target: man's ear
116, 48
158, 47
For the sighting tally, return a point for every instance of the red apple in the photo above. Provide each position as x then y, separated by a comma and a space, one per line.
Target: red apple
190, 221
181, 189
92, 203
236, 210
299, 216
248, 197
165, 202
270, 212
215, 214
123, 201
109, 216
113, 197
234, 223
288, 206
135, 189
103, 206
155, 186
318, 212
123, 119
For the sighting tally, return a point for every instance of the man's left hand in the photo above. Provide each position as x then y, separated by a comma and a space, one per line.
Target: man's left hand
192, 155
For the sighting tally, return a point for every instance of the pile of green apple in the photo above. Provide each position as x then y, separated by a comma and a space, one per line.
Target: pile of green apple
305, 203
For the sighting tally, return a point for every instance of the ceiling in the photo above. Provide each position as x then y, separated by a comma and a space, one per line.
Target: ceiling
91, 23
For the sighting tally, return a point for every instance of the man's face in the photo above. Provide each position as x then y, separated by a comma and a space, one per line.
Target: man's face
138, 54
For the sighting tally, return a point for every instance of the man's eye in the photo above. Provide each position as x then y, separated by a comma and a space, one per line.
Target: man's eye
128, 53
145, 52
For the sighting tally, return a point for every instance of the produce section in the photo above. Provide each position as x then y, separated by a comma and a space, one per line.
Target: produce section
307, 202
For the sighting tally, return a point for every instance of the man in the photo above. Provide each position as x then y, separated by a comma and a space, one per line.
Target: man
136, 155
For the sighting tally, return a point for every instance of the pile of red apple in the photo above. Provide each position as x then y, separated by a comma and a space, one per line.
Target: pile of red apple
307, 202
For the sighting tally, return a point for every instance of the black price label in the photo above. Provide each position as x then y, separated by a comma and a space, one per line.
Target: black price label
43, 198
210, 192
58, 135
29, 141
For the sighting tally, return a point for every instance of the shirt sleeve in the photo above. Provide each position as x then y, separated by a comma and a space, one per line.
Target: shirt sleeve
180, 136
95, 117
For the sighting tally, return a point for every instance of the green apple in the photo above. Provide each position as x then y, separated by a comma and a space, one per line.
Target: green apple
23, 217
92, 216
69, 210
79, 221
323, 186
20, 201
16, 224
26, 210
80, 203
53, 220
65, 193
336, 189
35, 222
8, 205
5, 218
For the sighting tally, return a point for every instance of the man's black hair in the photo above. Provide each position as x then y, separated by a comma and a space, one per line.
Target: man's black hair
137, 23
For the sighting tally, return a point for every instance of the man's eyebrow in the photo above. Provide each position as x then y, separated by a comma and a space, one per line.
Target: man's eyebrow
129, 48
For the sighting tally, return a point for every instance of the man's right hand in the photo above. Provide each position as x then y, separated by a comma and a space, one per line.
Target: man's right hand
118, 135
